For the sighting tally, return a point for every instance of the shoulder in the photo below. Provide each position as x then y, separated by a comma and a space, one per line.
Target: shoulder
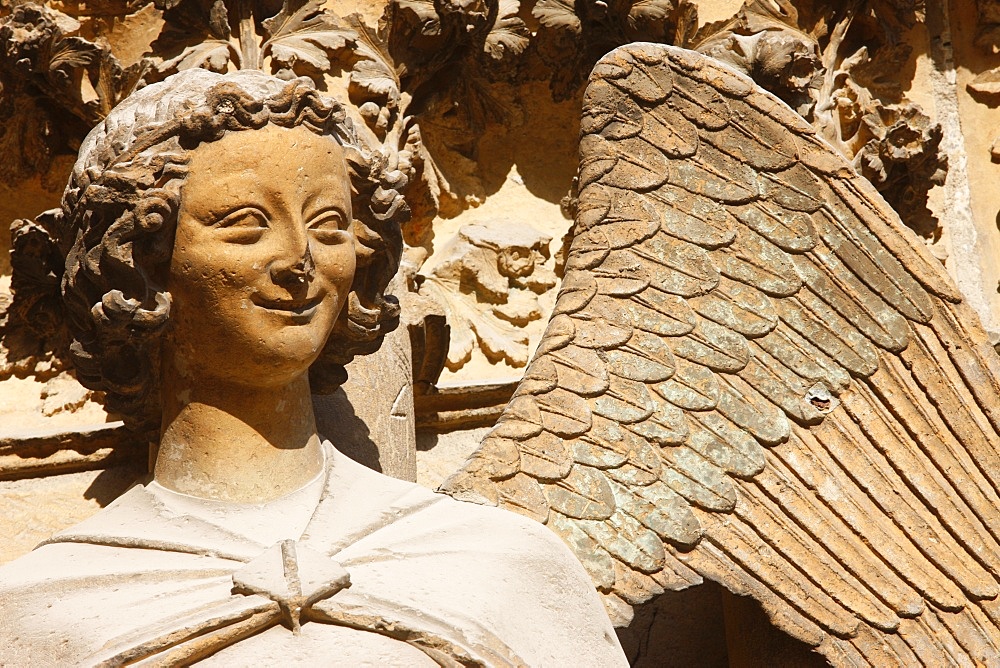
484, 569
413, 510
63, 601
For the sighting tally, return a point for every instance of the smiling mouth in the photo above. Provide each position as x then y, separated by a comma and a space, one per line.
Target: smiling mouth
292, 307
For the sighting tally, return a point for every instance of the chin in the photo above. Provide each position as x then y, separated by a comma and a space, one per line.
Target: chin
292, 352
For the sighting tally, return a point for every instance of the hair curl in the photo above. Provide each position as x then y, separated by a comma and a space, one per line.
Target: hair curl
120, 212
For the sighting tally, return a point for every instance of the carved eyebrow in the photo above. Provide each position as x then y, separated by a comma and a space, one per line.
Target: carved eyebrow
236, 212
327, 198
309, 220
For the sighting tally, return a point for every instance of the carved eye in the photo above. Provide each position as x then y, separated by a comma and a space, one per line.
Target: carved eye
328, 226
244, 225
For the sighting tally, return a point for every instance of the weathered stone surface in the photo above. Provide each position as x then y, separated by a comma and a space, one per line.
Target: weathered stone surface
891, 87
814, 336
36, 508
227, 245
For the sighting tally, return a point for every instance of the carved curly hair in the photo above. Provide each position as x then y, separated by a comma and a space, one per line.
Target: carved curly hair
119, 216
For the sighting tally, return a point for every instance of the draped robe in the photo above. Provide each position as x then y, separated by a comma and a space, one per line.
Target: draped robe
385, 572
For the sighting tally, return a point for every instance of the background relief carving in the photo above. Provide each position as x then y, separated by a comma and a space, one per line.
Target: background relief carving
434, 81
429, 80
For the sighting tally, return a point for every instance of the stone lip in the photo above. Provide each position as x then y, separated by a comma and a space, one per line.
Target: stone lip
462, 406
38, 451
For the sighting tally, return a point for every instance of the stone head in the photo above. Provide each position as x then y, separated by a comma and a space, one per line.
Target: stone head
237, 217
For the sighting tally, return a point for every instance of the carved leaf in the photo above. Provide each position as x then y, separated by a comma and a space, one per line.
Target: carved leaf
114, 83
499, 339
72, 52
213, 55
42, 56
557, 14
195, 34
508, 35
374, 72
644, 12
303, 33
487, 280
424, 14
296, 16
211, 15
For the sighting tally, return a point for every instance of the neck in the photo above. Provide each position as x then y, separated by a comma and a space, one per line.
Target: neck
235, 443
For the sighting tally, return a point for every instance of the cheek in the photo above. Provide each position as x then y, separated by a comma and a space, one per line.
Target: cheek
209, 293
206, 265
337, 265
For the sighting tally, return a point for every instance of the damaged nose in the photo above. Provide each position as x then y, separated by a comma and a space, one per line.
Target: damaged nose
294, 272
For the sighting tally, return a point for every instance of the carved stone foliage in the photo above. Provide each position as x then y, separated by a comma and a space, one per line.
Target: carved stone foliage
54, 85
422, 60
299, 40
572, 36
32, 321
421, 57
839, 65
489, 283
433, 63
431, 76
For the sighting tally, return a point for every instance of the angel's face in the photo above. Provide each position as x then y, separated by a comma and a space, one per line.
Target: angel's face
263, 255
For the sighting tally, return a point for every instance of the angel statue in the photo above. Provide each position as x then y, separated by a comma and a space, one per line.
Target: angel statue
226, 237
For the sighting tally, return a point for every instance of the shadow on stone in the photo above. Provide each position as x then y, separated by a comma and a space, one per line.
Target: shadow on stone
337, 421
112, 483
707, 627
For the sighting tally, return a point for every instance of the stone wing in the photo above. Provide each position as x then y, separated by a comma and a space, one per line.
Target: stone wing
755, 374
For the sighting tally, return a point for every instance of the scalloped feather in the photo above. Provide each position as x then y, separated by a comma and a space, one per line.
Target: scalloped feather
756, 375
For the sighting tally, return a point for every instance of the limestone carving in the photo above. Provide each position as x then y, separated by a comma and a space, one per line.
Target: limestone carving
46, 60
427, 78
988, 30
810, 59
228, 243
754, 374
850, 92
499, 272
825, 550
